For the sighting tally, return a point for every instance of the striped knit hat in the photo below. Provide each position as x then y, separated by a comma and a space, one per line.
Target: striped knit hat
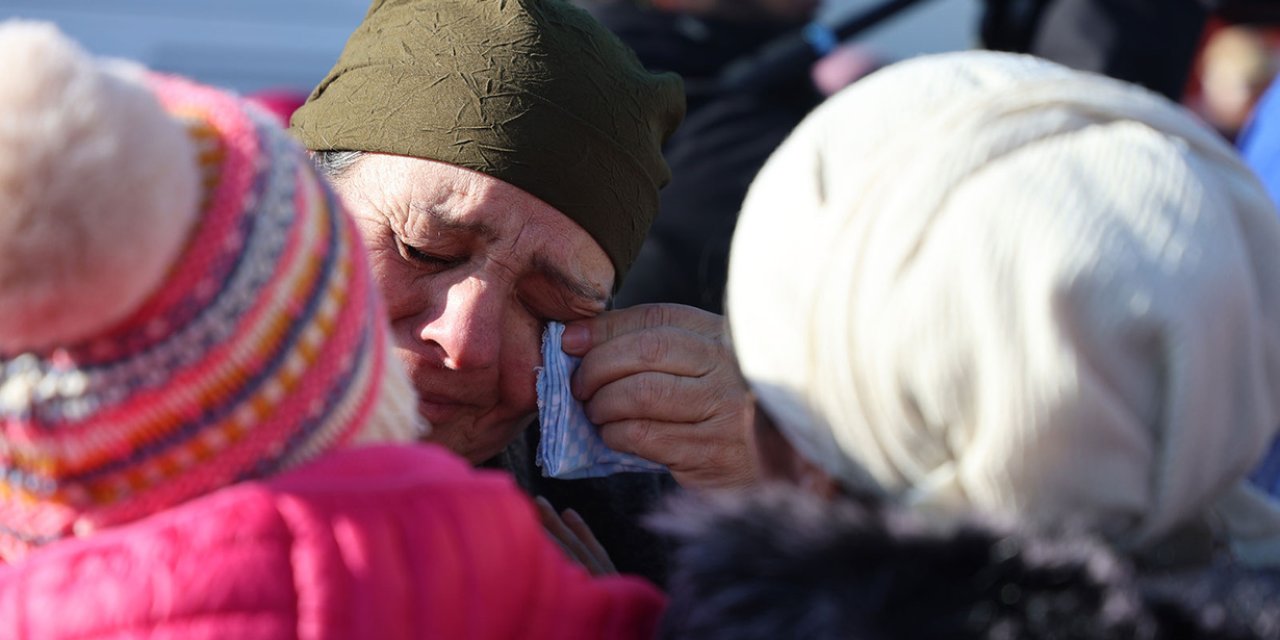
183, 303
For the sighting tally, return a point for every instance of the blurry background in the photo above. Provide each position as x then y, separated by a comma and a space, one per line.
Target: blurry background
932, 26
285, 46
275, 45
246, 45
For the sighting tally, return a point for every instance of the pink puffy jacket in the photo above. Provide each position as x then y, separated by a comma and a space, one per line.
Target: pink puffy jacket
381, 542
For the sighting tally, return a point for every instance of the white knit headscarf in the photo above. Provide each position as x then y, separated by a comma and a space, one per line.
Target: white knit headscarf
982, 280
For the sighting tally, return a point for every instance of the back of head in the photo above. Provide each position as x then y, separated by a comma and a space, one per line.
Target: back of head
535, 93
1007, 285
183, 304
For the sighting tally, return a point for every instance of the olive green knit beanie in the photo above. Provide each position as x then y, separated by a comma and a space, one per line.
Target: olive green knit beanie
535, 93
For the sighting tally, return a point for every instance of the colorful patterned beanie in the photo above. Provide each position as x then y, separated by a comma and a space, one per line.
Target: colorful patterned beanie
183, 303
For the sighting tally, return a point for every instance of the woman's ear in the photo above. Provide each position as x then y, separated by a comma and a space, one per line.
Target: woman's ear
780, 462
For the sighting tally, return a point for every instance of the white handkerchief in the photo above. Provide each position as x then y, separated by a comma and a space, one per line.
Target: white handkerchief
570, 446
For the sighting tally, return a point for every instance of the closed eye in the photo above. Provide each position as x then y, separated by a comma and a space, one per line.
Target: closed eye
436, 261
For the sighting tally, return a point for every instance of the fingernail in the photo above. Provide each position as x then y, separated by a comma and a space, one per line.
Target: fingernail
576, 339
543, 501
570, 513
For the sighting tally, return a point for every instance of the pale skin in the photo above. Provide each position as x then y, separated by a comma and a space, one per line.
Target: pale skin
472, 268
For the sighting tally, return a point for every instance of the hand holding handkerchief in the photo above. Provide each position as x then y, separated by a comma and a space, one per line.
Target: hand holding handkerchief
570, 446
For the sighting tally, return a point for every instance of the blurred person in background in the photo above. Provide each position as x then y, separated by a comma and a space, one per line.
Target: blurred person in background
204, 432
1235, 68
1015, 299
1152, 43
728, 130
1259, 140
1259, 144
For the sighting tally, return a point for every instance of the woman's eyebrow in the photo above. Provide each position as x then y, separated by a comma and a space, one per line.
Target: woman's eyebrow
441, 220
579, 287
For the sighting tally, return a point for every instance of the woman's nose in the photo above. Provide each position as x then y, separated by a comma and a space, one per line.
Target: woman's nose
467, 331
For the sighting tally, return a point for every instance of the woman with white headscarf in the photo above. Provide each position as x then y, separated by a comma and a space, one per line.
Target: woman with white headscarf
981, 283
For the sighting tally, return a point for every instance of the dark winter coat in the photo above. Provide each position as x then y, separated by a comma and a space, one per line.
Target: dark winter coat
725, 137
782, 564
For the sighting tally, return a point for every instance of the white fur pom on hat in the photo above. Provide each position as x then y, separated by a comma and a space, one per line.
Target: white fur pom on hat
98, 190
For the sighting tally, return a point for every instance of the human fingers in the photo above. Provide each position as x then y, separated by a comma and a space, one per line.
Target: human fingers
580, 336
571, 541
656, 396
560, 533
587, 537
705, 455
667, 350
